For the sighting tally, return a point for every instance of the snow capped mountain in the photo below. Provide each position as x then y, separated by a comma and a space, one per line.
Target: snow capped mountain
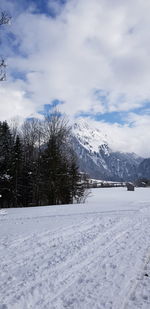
97, 158
90, 138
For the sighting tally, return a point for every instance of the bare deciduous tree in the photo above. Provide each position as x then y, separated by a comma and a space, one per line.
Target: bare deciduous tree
56, 124
2, 70
4, 20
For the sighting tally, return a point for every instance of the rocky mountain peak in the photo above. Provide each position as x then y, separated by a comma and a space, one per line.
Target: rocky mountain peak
89, 137
98, 159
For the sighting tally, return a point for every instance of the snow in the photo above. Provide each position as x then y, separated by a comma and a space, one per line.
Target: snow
90, 256
90, 137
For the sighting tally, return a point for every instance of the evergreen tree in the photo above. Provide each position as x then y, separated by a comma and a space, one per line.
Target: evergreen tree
26, 185
51, 172
77, 187
6, 145
16, 170
59, 165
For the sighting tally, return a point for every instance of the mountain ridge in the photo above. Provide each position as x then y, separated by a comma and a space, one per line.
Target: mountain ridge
98, 159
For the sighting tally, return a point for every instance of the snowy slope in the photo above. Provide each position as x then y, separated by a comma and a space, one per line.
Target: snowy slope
78, 256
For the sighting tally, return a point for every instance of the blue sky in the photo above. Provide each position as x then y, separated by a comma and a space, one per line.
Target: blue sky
117, 117
47, 7
42, 6
91, 57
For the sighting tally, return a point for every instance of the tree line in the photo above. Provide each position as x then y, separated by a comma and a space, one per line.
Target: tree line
37, 164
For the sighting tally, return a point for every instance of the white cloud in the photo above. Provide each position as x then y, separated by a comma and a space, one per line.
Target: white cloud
91, 45
13, 102
127, 138
54, 7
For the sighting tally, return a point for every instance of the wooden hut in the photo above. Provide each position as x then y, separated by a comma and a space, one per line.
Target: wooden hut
130, 186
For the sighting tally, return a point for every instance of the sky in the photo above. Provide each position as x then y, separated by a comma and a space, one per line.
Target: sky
91, 58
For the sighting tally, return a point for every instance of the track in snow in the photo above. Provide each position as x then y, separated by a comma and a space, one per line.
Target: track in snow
99, 262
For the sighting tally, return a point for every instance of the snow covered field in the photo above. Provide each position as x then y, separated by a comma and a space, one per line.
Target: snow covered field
90, 256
